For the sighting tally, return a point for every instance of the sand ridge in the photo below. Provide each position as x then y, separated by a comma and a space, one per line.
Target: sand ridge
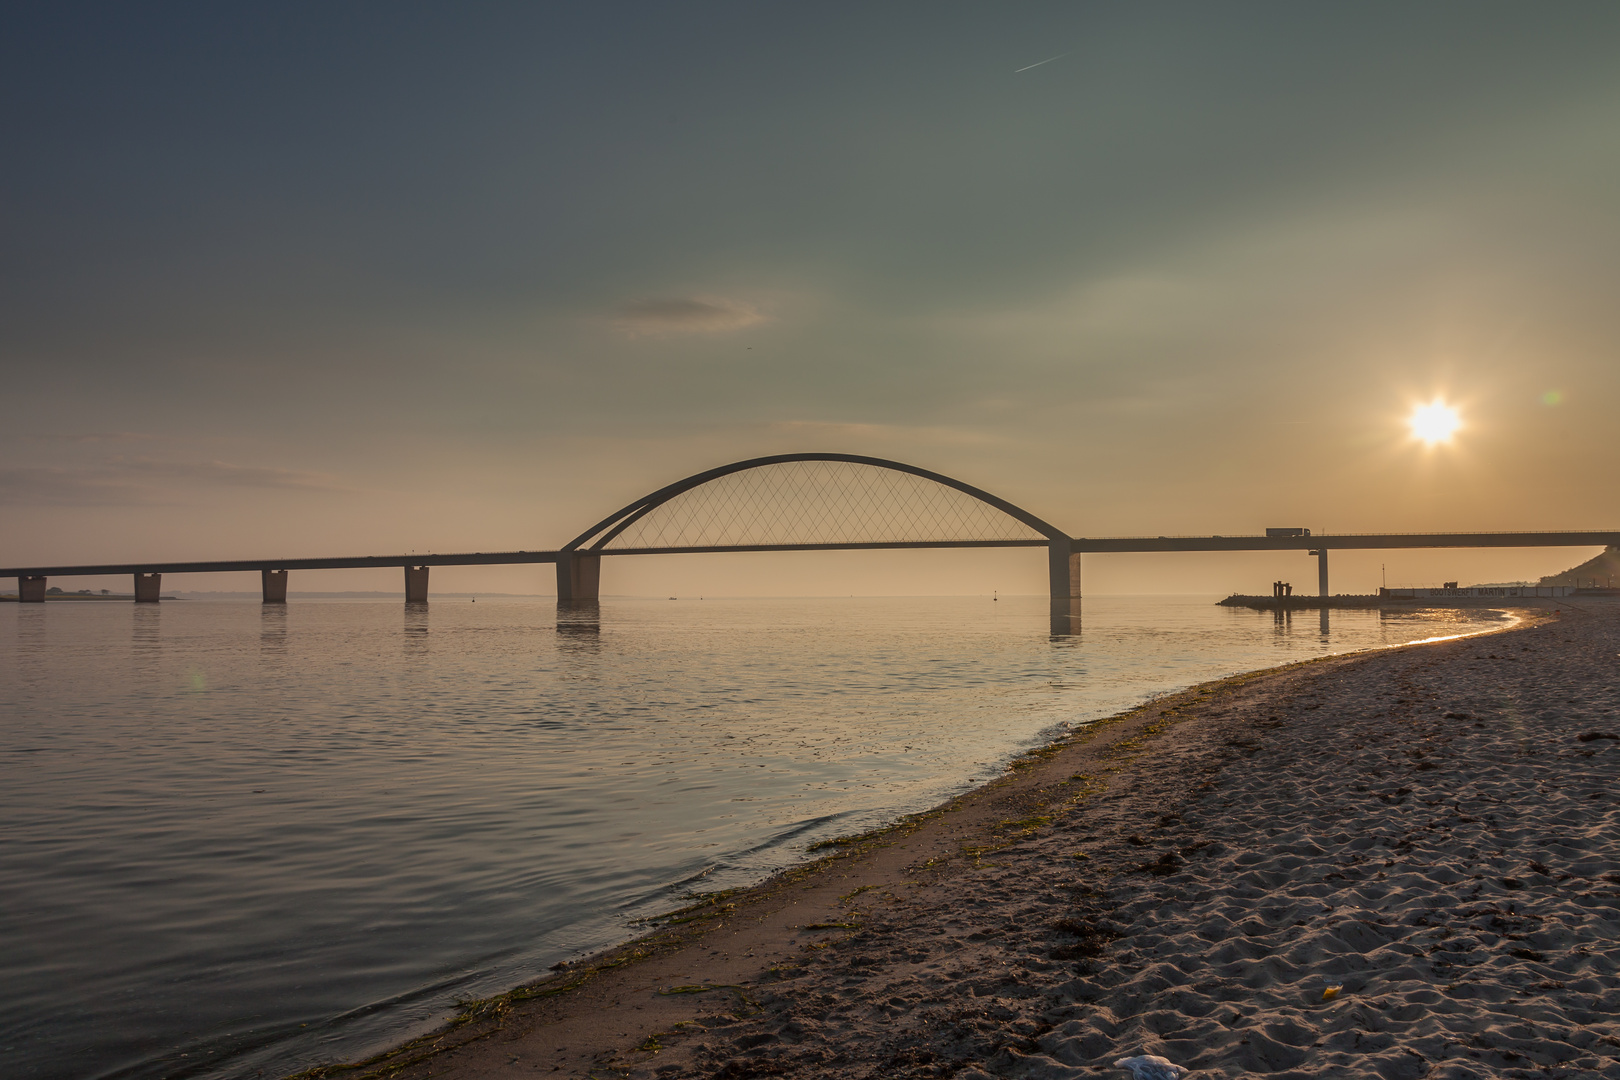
1424, 828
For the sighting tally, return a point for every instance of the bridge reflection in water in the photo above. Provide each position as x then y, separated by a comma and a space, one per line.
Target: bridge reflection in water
800, 502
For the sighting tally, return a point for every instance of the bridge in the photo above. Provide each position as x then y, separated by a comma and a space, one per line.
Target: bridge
802, 502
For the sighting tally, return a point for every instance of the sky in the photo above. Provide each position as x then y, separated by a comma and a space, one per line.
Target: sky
314, 279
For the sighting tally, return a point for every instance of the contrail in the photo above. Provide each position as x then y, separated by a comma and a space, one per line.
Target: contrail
1048, 60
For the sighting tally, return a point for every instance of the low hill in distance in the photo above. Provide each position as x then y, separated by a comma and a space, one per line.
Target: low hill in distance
1600, 572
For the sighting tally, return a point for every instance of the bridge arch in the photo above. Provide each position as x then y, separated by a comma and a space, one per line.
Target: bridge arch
809, 501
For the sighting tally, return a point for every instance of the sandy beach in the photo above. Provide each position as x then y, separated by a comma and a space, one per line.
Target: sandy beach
1399, 864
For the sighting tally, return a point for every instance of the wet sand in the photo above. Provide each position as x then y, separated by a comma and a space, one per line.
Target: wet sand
1432, 829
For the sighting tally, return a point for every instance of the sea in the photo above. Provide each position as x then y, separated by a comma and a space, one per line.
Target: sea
242, 839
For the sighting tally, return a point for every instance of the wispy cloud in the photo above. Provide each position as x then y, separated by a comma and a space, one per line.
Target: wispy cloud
144, 481
47, 486
686, 315
220, 472
96, 437
842, 433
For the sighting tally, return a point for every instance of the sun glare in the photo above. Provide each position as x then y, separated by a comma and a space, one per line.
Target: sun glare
1434, 423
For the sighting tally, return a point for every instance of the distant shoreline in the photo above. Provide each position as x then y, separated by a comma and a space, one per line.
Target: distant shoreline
1365, 601
1306, 603
11, 598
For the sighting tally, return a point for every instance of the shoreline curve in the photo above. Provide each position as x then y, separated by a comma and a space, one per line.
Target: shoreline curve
682, 999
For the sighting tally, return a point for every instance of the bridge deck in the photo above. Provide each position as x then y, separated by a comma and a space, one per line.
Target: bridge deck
1347, 541
480, 558
1087, 545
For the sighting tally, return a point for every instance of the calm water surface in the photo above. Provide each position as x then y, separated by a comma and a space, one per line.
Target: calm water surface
242, 839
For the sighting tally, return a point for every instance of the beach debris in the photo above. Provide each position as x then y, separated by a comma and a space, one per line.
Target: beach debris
1151, 1067
1593, 736
1090, 940
1331, 991
1168, 863
745, 1001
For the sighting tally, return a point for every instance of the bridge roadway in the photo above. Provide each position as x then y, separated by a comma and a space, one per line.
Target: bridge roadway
147, 575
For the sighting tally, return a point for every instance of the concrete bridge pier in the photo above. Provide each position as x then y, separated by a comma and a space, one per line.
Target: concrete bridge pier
1063, 566
579, 576
1065, 618
275, 586
416, 581
1321, 572
148, 588
31, 590
1063, 563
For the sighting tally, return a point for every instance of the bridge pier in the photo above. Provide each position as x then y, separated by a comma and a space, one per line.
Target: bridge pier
1063, 564
275, 586
579, 576
416, 584
148, 588
30, 590
1321, 572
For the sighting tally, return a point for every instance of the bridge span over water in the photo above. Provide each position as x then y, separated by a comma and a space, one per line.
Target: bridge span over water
800, 502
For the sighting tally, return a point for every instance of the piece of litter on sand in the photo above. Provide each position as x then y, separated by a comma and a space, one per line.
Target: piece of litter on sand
1331, 992
1151, 1067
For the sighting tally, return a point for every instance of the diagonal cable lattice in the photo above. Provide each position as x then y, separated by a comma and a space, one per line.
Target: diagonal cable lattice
819, 502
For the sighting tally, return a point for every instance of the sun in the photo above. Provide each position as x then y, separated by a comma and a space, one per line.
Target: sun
1434, 423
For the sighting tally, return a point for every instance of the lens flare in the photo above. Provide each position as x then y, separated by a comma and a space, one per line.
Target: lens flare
1434, 423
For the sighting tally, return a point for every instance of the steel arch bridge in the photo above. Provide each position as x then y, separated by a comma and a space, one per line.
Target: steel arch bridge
804, 502
811, 502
